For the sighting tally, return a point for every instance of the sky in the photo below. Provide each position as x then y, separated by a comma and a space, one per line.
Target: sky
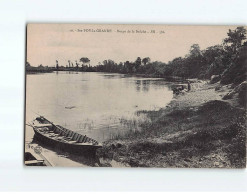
47, 43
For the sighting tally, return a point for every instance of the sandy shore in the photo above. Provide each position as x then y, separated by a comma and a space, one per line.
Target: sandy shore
197, 129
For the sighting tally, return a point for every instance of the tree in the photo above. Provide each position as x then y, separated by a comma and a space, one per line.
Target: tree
146, 60
128, 66
235, 39
105, 62
213, 61
237, 71
84, 60
138, 63
195, 50
57, 66
76, 64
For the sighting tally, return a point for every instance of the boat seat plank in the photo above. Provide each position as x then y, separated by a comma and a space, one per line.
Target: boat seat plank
70, 134
78, 138
81, 138
73, 137
71, 141
67, 132
84, 139
42, 125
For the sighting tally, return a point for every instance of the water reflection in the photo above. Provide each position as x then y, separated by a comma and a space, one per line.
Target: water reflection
142, 85
138, 85
145, 85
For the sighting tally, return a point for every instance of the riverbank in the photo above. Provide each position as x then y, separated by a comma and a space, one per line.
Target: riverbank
197, 129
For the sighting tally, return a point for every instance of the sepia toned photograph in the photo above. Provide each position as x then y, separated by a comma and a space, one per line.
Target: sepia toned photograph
157, 96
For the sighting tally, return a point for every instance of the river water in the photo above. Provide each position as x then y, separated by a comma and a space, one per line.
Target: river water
99, 105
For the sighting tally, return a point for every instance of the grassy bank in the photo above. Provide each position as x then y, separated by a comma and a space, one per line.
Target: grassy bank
197, 129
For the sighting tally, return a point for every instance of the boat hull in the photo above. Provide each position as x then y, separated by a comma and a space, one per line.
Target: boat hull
87, 150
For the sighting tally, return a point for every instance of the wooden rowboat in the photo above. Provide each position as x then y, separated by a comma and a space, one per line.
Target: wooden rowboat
64, 139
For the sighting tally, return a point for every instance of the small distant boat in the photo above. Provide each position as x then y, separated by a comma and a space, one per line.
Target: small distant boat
61, 138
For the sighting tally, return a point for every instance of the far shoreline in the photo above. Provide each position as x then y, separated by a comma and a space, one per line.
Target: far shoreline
168, 78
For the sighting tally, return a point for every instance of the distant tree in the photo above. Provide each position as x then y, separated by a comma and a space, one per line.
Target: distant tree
138, 61
57, 66
120, 67
77, 64
105, 62
84, 60
195, 50
128, 67
146, 60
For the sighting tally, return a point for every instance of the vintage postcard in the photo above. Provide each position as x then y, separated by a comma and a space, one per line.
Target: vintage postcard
135, 96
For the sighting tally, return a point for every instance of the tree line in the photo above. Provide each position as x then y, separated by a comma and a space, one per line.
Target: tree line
227, 60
